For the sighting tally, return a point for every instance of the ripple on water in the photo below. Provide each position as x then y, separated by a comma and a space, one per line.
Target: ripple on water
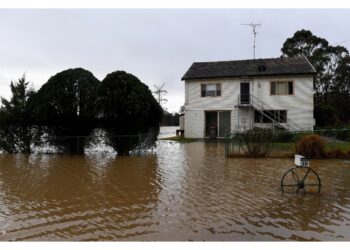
182, 192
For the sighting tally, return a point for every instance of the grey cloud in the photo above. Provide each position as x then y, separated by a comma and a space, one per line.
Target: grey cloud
155, 45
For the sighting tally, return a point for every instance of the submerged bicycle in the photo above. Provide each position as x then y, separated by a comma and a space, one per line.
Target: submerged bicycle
301, 178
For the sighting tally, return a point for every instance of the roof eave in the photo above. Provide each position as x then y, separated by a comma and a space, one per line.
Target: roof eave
256, 75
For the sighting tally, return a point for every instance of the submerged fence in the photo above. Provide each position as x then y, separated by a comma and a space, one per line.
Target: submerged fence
282, 143
99, 141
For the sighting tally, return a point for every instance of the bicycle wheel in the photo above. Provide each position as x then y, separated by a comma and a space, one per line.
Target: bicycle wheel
300, 179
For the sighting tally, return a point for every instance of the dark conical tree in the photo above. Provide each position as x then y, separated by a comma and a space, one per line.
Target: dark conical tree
127, 107
65, 109
16, 130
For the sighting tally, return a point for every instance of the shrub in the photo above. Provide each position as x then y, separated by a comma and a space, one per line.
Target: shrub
311, 146
257, 142
326, 115
285, 136
17, 132
65, 107
343, 134
127, 107
336, 154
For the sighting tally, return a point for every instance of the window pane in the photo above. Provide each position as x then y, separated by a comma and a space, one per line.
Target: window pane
283, 116
203, 91
211, 93
273, 88
290, 88
218, 89
269, 114
282, 88
211, 89
256, 116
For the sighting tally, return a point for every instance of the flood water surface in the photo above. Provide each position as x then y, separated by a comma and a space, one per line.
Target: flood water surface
180, 192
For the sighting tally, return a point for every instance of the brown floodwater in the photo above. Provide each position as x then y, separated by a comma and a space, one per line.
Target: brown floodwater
180, 192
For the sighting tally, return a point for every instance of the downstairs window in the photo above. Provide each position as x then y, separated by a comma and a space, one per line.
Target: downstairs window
277, 115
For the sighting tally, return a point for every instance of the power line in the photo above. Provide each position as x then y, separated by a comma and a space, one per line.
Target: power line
253, 26
345, 41
160, 92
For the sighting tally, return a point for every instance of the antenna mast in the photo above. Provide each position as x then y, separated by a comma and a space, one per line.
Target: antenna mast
253, 26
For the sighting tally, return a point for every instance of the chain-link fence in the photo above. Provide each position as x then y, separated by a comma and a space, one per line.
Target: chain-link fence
97, 142
264, 142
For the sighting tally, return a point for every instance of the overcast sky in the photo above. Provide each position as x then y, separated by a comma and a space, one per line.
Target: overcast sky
157, 46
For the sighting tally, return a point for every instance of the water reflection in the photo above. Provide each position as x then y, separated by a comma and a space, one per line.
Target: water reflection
68, 197
182, 192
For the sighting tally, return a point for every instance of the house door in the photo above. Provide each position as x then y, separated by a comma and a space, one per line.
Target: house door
224, 123
245, 93
211, 124
217, 123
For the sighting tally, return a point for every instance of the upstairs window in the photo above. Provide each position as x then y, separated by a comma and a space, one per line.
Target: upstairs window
211, 90
282, 88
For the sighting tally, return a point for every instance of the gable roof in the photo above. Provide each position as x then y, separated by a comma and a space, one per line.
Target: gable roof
255, 67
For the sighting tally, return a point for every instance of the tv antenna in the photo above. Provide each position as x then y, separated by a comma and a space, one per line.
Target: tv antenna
160, 92
253, 26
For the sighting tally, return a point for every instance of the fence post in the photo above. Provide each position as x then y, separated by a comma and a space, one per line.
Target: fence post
139, 144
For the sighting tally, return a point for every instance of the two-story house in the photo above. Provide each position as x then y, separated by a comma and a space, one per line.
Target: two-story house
227, 96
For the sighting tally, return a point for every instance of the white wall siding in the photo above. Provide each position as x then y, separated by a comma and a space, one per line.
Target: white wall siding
245, 119
226, 101
299, 106
194, 123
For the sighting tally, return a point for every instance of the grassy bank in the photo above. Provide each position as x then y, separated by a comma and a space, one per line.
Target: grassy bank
179, 139
334, 150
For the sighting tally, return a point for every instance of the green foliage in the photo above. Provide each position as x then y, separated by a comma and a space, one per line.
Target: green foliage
339, 134
332, 64
127, 107
170, 119
65, 107
71, 104
16, 130
311, 146
342, 76
326, 115
338, 154
304, 43
257, 142
284, 136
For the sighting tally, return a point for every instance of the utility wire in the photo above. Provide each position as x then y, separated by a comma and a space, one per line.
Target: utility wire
345, 41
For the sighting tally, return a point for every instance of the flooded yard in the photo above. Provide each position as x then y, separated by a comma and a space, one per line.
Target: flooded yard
181, 192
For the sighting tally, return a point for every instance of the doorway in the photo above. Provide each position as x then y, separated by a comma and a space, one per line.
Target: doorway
217, 123
245, 93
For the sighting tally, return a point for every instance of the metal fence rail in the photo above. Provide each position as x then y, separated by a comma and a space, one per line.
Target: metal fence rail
333, 137
140, 143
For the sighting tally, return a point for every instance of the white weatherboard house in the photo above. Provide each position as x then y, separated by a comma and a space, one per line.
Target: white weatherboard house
228, 96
